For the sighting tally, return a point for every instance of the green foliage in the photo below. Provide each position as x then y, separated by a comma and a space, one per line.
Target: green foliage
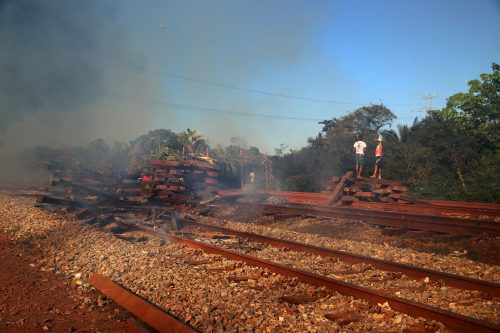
451, 154
167, 153
236, 161
365, 120
191, 140
478, 110
331, 151
148, 145
458, 145
302, 183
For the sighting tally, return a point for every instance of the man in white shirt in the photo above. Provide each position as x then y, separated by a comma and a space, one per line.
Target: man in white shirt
252, 181
359, 149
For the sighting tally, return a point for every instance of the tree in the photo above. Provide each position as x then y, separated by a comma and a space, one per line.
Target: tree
365, 120
145, 146
340, 134
330, 152
237, 160
190, 139
280, 150
478, 110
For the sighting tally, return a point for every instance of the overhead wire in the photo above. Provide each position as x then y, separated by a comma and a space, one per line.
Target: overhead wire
309, 71
258, 91
196, 108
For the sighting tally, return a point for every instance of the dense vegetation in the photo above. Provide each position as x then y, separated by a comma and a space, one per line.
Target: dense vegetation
452, 153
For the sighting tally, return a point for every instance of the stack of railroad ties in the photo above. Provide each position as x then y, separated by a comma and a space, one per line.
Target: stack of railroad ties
74, 181
179, 181
347, 190
164, 182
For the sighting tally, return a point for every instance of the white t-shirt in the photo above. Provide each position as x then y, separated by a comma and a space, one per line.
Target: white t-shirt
360, 147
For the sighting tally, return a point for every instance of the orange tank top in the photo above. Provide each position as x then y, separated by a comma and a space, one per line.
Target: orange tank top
378, 151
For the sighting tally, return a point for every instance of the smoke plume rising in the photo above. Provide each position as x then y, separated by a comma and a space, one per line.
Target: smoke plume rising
58, 60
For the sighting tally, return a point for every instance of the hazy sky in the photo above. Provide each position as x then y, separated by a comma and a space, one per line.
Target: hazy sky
263, 70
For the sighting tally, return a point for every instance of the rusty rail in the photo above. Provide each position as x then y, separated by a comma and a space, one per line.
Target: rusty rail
462, 204
150, 314
434, 207
453, 321
429, 209
133, 326
452, 280
391, 219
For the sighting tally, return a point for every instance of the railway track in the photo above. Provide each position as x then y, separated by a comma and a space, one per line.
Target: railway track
452, 320
152, 315
430, 207
476, 211
442, 224
451, 280
434, 207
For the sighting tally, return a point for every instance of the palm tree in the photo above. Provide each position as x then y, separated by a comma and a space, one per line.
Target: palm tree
189, 139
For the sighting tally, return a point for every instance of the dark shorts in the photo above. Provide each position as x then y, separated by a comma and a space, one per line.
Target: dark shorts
378, 161
359, 159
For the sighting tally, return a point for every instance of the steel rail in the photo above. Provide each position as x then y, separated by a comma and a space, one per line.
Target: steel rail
16, 187
133, 326
147, 312
427, 209
418, 205
392, 219
452, 280
462, 204
451, 320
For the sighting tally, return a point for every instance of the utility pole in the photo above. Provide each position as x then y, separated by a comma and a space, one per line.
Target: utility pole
428, 102
267, 175
241, 169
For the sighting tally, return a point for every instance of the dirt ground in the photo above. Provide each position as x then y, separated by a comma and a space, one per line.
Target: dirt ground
32, 300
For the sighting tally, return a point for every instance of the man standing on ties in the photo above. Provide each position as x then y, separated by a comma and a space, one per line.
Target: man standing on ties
378, 160
359, 149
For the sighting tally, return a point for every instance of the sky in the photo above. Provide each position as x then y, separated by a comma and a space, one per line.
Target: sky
266, 71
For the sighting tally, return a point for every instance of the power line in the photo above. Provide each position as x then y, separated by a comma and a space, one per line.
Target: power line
250, 90
196, 108
234, 113
257, 91
322, 75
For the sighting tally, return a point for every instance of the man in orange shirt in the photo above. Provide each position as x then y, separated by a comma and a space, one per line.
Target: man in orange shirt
378, 160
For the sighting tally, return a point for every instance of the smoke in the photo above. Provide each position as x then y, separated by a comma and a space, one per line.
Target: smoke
47, 60
259, 45
57, 62
61, 63
75, 71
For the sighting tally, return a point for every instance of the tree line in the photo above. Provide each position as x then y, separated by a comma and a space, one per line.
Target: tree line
451, 154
